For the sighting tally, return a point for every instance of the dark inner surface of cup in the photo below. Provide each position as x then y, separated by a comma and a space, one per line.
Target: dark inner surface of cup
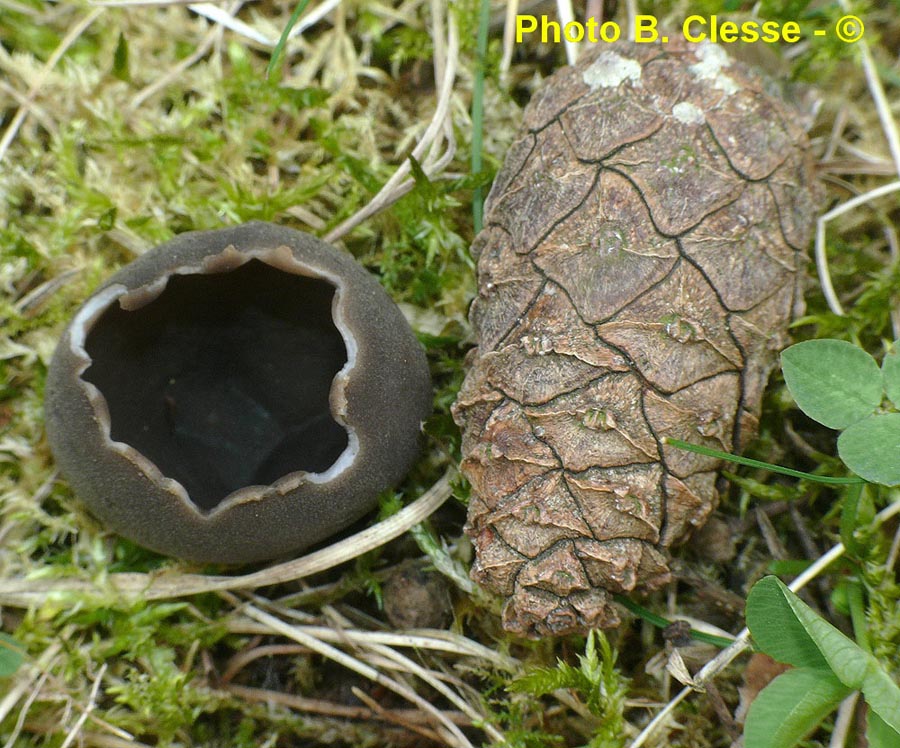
223, 380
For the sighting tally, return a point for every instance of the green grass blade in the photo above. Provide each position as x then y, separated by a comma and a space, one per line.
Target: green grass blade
660, 622
282, 41
857, 605
478, 112
700, 450
849, 512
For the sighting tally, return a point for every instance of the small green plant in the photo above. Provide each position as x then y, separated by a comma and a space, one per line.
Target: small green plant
841, 386
828, 667
596, 680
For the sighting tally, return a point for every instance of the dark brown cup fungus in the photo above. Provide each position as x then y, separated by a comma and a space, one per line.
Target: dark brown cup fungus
236, 395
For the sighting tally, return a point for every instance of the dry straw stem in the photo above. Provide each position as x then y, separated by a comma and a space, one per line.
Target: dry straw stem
32, 678
509, 39
440, 129
140, 3
228, 19
92, 702
566, 15
436, 640
24, 593
410, 719
37, 111
23, 712
715, 666
892, 135
68, 40
401, 718
394, 660
99, 740
376, 655
821, 258
198, 54
842, 723
446, 728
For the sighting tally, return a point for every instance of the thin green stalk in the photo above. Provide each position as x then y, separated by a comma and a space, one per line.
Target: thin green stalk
760, 464
849, 515
478, 111
282, 41
857, 605
660, 622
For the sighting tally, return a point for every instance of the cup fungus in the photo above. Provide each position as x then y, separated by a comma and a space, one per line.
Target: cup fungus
236, 395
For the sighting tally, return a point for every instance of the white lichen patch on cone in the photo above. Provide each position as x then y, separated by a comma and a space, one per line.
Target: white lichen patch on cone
713, 60
688, 113
610, 70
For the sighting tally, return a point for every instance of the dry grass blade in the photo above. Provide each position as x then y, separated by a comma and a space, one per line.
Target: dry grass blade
23, 712
888, 124
24, 593
894, 553
99, 740
139, 3
376, 648
409, 718
821, 257
451, 732
892, 135
397, 661
38, 112
75, 732
199, 53
70, 38
244, 657
509, 38
422, 639
843, 721
31, 674
566, 15
407, 665
401, 718
222, 17
399, 183
313, 16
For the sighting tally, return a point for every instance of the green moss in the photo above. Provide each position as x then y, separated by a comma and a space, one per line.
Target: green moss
99, 172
